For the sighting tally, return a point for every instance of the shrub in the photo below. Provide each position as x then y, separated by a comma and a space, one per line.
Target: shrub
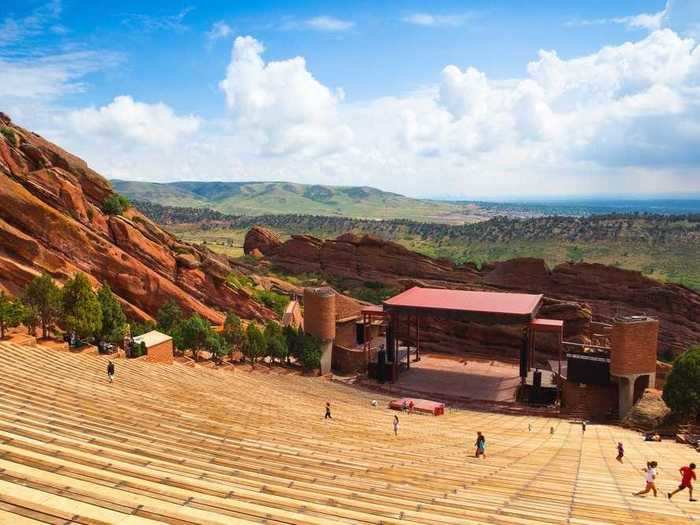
682, 388
9, 135
272, 300
139, 349
239, 281
115, 204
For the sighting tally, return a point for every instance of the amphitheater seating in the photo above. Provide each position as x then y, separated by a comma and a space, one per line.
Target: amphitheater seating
194, 445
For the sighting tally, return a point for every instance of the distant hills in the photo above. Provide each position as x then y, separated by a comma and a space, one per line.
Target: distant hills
260, 198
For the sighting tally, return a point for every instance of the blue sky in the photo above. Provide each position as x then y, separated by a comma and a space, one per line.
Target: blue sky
398, 95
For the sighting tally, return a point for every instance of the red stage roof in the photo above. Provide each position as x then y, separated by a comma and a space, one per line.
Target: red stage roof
467, 301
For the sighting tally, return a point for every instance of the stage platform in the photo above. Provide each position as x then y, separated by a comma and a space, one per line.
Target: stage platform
422, 406
461, 377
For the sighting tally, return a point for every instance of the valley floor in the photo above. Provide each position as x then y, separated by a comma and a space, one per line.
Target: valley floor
180, 444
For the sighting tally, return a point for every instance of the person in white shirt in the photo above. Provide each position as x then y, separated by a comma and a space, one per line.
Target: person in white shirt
651, 479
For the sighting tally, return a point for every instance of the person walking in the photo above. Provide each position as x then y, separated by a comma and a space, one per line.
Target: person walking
328, 411
583, 427
410, 407
529, 427
396, 425
620, 452
480, 445
110, 370
650, 479
687, 477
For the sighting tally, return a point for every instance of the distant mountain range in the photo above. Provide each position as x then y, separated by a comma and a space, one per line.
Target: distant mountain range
259, 198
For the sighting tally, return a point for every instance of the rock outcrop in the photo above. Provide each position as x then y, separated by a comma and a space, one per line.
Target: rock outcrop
263, 240
51, 221
648, 413
574, 292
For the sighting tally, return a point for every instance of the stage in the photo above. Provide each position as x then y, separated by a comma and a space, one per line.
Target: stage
468, 377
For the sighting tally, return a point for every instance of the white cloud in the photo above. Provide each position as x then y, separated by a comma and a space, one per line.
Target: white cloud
280, 106
682, 16
219, 30
50, 76
328, 23
151, 23
13, 30
623, 119
434, 20
124, 118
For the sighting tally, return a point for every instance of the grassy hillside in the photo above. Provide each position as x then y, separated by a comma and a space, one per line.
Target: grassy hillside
259, 198
660, 246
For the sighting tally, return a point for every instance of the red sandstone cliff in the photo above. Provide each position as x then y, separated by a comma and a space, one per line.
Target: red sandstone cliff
51, 221
573, 291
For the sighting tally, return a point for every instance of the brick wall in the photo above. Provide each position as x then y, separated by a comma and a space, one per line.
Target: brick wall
591, 401
161, 353
633, 347
346, 333
348, 361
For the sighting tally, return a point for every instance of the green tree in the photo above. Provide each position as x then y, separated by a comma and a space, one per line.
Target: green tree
310, 357
254, 344
44, 297
139, 349
115, 204
168, 317
10, 313
113, 318
136, 328
682, 388
195, 333
233, 332
82, 312
216, 345
295, 342
30, 318
275, 342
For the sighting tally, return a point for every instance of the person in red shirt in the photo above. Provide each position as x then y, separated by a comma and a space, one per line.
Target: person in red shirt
688, 475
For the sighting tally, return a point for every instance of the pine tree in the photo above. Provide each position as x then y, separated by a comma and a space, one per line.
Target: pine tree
44, 298
233, 332
113, 318
254, 344
10, 313
82, 312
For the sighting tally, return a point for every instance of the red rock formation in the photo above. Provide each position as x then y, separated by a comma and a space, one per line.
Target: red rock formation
51, 222
261, 239
575, 293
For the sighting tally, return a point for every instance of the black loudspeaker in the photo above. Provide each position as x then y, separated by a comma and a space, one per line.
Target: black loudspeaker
390, 344
381, 365
360, 334
523, 359
537, 379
